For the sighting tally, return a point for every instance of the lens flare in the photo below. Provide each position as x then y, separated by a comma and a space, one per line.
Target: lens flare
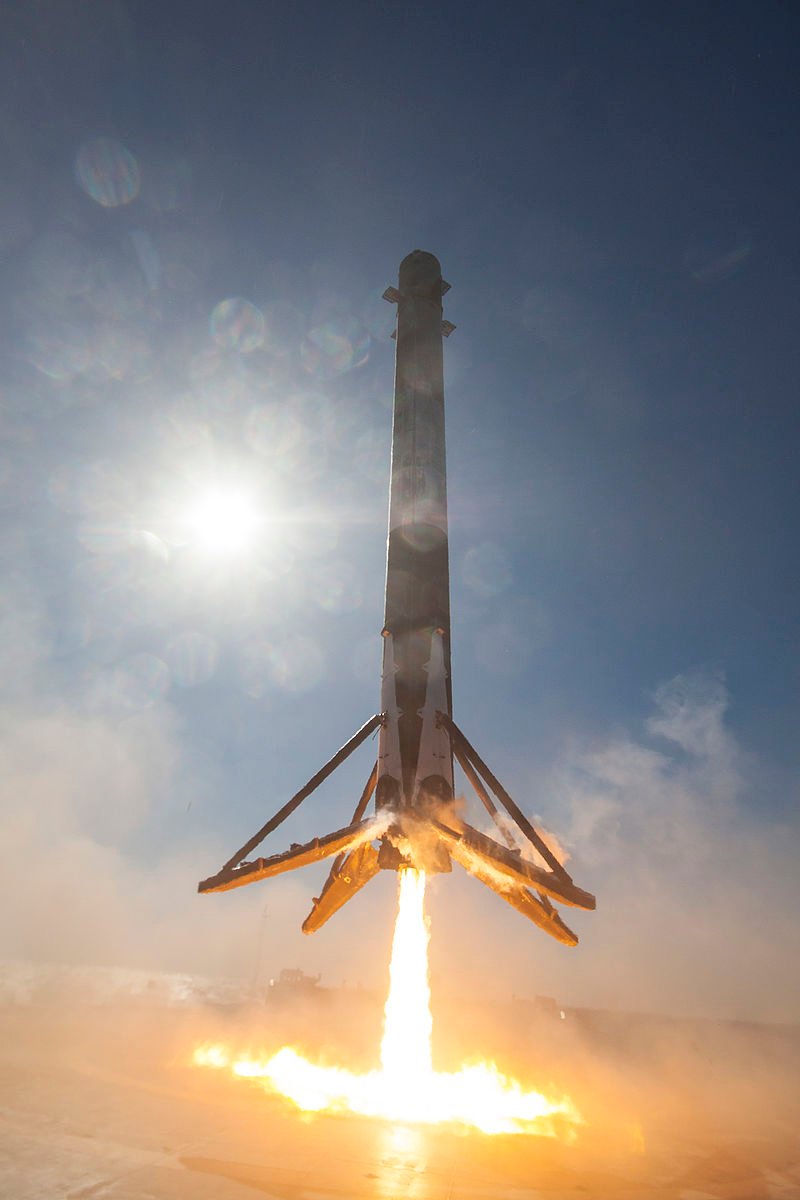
406, 1088
334, 347
107, 172
236, 324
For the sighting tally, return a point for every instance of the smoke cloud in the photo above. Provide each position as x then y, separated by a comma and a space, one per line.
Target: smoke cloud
696, 884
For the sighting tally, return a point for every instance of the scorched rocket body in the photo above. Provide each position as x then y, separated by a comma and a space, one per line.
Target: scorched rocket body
415, 821
415, 761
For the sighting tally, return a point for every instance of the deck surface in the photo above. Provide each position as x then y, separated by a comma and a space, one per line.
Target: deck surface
102, 1103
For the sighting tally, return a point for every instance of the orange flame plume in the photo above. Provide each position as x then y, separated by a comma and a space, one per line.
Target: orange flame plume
406, 1087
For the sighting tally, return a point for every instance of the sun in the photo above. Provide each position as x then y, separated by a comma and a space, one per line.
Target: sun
222, 523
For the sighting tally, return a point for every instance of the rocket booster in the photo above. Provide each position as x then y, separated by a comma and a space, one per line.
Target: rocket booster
416, 823
415, 761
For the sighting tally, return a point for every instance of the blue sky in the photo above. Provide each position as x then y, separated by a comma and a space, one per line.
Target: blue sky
200, 207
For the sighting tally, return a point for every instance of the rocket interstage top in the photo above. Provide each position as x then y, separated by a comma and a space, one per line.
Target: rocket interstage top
416, 823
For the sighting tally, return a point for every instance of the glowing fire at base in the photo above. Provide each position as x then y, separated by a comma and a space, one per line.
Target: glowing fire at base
406, 1088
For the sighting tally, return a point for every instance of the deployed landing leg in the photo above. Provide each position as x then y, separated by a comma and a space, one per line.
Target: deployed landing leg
409, 832
503, 869
237, 872
349, 872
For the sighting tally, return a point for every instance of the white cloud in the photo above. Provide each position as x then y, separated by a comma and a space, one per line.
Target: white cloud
696, 882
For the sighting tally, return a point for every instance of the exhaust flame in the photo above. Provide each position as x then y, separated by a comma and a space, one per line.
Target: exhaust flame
408, 1025
406, 1088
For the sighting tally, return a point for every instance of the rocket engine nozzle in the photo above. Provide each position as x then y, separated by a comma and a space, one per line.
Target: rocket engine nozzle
412, 841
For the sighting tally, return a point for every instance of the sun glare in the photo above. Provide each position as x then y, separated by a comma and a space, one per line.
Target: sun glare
222, 523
